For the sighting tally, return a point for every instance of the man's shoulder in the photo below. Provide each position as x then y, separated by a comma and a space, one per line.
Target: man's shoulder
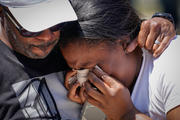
6, 54
3, 47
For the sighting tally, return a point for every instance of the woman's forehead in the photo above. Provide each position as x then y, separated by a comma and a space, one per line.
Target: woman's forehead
76, 53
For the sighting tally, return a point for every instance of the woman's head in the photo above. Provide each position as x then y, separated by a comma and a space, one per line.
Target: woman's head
103, 20
103, 30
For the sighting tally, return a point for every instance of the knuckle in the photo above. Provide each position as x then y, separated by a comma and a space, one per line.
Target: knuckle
172, 31
145, 27
140, 43
167, 23
145, 23
166, 26
155, 25
148, 46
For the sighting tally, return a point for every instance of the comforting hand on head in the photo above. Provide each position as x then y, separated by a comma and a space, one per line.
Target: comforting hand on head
156, 29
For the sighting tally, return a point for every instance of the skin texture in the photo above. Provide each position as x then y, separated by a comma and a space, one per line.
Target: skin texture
33, 47
83, 56
156, 29
113, 85
38, 47
174, 114
146, 38
112, 96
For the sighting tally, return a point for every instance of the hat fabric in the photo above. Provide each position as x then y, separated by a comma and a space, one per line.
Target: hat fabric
19, 3
41, 14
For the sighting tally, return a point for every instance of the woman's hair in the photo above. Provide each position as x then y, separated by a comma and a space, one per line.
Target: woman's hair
101, 20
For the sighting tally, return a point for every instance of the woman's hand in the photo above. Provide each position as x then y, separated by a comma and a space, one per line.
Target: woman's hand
69, 79
159, 29
75, 93
111, 96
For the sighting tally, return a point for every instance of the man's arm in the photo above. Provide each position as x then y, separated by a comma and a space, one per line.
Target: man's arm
174, 114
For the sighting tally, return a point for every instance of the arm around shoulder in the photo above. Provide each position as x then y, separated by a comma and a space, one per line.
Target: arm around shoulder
174, 114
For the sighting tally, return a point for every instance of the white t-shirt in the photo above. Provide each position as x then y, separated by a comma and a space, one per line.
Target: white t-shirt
157, 89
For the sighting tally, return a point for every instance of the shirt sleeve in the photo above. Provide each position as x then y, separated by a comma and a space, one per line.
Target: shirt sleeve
171, 90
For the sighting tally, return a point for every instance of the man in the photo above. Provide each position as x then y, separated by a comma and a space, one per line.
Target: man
31, 72
29, 64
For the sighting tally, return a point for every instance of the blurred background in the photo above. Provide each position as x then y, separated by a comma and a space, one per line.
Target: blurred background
146, 8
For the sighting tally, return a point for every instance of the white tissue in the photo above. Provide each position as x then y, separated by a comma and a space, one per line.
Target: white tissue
82, 75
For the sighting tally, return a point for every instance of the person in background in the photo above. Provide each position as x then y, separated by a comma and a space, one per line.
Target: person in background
32, 68
131, 84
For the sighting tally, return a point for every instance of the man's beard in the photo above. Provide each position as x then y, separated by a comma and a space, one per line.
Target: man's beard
19, 47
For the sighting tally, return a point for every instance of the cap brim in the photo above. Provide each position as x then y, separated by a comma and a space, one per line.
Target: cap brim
44, 15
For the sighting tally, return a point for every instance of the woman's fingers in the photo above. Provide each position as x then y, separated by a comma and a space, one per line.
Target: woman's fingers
82, 94
93, 92
69, 79
72, 95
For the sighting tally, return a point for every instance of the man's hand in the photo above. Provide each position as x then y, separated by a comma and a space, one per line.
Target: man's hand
159, 29
174, 114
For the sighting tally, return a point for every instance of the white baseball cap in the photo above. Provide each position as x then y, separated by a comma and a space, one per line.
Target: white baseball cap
38, 15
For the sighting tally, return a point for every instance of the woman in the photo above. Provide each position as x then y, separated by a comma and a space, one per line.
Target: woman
133, 82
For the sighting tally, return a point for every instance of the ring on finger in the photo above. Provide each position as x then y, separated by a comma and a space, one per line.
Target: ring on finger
157, 42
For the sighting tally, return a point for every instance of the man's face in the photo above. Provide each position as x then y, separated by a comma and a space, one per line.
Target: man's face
33, 47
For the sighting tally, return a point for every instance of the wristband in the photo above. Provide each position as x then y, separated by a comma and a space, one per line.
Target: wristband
166, 16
